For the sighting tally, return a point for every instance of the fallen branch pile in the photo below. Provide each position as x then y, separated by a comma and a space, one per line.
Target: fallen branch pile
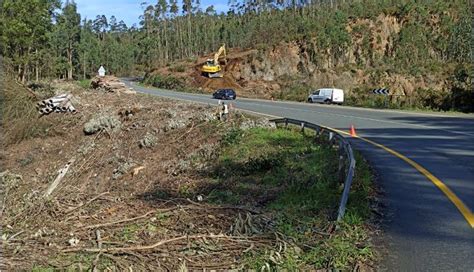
109, 84
59, 103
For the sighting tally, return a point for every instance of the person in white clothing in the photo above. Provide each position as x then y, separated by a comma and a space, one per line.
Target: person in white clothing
224, 112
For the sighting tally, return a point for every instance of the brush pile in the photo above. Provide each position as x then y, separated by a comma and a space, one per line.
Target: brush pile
59, 103
109, 84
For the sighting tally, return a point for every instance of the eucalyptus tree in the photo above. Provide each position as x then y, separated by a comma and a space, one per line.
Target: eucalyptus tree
68, 30
24, 33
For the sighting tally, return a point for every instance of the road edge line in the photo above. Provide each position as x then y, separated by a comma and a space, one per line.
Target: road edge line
463, 209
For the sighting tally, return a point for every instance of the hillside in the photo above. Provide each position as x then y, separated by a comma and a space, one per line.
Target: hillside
416, 51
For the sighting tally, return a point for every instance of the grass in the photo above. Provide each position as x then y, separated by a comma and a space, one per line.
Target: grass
84, 83
295, 180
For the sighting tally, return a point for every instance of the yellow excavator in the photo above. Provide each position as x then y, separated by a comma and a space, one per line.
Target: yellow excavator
212, 67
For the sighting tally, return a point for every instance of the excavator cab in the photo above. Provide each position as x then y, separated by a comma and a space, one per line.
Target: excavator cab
210, 62
212, 67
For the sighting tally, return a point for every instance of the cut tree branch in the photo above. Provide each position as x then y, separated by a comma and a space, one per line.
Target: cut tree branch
62, 172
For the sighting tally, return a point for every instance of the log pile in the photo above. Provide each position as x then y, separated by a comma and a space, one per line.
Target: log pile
109, 84
59, 103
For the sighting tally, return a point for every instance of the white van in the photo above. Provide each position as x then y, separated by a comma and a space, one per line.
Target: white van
327, 96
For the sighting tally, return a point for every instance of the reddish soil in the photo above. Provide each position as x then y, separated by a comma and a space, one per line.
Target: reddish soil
192, 72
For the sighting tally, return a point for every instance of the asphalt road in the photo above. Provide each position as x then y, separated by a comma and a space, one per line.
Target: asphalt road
423, 230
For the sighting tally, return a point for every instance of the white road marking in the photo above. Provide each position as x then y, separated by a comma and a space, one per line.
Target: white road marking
369, 119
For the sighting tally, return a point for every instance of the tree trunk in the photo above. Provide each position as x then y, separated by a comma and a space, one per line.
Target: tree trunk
84, 67
69, 62
190, 39
166, 41
36, 65
23, 73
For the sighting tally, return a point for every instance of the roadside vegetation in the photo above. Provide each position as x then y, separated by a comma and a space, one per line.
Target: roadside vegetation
169, 83
295, 182
165, 82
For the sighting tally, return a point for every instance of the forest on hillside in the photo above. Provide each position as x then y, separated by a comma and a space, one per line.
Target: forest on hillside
50, 39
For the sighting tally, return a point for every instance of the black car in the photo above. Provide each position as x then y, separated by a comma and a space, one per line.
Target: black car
224, 94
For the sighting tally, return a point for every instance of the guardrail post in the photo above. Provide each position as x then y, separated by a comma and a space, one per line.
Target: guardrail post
286, 123
340, 168
302, 127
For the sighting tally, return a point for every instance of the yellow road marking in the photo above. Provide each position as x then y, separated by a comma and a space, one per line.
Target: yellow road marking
465, 211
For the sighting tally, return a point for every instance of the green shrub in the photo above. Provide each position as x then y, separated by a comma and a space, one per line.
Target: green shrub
165, 82
84, 83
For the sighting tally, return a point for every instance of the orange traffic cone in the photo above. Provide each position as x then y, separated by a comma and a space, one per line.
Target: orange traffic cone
353, 131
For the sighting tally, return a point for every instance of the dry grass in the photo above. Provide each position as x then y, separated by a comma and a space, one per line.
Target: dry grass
20, 118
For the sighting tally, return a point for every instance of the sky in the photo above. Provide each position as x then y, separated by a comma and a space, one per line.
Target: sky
129, 10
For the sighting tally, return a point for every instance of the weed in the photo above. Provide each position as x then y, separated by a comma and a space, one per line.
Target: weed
232, 137
129, 232
185, 190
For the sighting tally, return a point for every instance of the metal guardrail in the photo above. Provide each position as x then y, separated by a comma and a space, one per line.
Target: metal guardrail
347, 162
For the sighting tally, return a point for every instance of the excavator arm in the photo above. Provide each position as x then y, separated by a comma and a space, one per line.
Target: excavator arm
219, 53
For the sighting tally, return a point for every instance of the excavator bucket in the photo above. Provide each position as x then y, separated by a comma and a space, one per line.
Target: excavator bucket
215, 75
